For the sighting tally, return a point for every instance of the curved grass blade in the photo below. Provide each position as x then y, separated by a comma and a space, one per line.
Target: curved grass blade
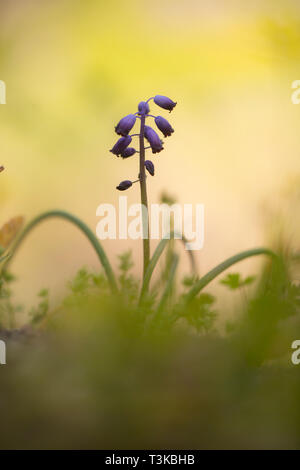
4, 257
190, 253
211, 275
154, 260
83, 227
152, 263
169, 284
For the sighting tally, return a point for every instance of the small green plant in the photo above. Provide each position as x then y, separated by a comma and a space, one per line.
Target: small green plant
8, 310
85, 281
234, 281
39, 313
128, 284
201, 313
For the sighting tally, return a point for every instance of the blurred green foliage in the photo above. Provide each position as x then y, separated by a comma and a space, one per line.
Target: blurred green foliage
99, 372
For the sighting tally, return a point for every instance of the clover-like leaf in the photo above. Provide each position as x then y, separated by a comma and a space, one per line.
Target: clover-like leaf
234, 281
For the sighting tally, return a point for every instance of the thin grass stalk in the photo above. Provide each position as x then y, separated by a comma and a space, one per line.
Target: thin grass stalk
211, 275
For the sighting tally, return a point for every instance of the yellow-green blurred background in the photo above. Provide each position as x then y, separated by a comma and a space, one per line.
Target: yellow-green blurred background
74, 68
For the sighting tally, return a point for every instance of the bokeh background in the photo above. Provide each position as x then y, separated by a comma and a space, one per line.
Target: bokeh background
73, 69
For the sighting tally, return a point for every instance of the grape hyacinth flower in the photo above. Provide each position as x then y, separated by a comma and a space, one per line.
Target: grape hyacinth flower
125, 125
164, 102
121, 145
149, 167
164, 126
121, 148
124, 185
153, 139
143, 108
128, 152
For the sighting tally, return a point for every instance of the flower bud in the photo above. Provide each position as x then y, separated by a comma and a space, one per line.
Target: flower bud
143, 107
121, 145
124, 185
149, 167
153, 139
164, 102
128, 152
164, 126
125, 125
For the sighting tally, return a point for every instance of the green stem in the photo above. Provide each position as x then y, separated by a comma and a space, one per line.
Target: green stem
83, 227
205, 280
169, 285
144, 200
154, 260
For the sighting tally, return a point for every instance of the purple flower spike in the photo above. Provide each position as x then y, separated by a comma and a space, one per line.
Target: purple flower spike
124, 185
128, 152
149, 167
164, 102
121, 145
125, 125
153, 139
164, 126
143, 107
